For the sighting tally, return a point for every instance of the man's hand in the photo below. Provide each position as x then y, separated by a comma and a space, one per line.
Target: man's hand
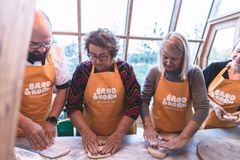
50, 131
35, 135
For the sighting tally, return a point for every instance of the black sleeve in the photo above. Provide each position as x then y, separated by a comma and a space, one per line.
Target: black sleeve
212, 71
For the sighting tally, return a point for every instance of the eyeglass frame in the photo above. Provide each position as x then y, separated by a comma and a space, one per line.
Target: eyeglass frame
94, 58
46, 45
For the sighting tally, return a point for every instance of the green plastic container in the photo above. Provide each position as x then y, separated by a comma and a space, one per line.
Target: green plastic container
65, 128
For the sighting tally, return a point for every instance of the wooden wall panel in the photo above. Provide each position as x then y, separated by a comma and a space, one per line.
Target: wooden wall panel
16, 19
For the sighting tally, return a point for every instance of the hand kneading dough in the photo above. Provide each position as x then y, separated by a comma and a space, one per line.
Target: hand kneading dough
230, 117
23, 154
159, 153
98, 156
56, 150
101, 141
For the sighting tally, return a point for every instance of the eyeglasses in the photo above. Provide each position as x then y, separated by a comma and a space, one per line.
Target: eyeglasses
46, 45
94, 58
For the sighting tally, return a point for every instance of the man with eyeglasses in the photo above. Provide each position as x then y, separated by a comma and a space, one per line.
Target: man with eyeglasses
104, 96
45, 67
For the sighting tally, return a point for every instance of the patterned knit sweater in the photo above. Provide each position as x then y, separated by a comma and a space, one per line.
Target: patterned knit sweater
75, 98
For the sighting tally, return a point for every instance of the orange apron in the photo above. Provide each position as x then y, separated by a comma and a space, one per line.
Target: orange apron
37, 92
104, 101
225, 93
171, 108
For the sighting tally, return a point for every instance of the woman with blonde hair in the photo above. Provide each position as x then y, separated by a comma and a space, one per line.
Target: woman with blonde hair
177, 87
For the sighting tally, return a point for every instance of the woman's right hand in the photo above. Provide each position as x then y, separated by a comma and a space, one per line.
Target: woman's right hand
90, 143
151, 136
238, 115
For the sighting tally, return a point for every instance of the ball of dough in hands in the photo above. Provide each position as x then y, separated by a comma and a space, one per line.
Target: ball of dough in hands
101, 140
230, 117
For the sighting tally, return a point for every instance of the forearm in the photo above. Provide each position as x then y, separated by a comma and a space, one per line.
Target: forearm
199, 96
22, 120
146, 95
124, 125
145, 115
191, 128
58, 102
213, 104
80, 123
200, 115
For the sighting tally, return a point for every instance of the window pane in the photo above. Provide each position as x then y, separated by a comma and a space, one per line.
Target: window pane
97, 14
69, 44
84, 52
121, 51
62, 13
151, 18
222, 46
227, 6
142, 55
192, 18
193, 51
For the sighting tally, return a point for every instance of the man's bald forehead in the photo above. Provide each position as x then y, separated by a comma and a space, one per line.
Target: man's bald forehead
41, 19
42, 29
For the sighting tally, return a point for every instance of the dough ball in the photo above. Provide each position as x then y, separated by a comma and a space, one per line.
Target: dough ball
230, 117
159, 153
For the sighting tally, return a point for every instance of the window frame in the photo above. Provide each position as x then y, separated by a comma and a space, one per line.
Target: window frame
218, 23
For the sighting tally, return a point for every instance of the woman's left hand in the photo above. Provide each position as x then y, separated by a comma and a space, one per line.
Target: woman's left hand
112, 144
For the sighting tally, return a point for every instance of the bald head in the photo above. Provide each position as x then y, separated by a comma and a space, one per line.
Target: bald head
42, 29
41, 38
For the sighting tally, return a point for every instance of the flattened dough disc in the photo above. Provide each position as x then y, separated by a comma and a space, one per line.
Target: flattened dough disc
58, 149
23, 154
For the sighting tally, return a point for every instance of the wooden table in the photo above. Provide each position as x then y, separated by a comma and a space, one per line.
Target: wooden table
134, 147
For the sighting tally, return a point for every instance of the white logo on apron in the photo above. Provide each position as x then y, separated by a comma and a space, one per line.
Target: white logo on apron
105, 94
37, 88
176, 102
223, 97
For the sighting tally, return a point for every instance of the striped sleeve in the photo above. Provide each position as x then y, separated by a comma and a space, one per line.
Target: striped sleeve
132, 90
77, 87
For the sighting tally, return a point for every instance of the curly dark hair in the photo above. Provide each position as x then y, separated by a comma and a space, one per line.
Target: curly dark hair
103, 38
